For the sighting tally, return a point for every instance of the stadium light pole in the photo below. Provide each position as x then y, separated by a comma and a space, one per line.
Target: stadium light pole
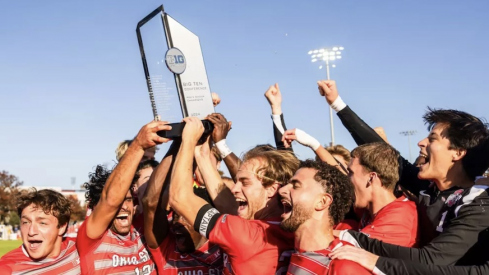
327, 55
409, 134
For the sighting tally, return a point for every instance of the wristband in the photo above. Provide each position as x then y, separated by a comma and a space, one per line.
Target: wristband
223, 148
338, 104
278, 123
306, 139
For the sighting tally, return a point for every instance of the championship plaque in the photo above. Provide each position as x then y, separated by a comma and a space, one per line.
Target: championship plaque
175, 71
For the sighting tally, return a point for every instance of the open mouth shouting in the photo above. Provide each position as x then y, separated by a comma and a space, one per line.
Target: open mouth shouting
33, 244
423, 159
287, 209
242, 206
123, 219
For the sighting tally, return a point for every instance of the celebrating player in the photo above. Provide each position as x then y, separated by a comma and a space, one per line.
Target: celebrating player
176, 249
107, 241
253, 243
316, 198
44, 217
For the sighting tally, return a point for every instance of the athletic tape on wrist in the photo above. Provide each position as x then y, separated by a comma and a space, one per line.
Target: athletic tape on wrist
306, 139
338, 104
223, 148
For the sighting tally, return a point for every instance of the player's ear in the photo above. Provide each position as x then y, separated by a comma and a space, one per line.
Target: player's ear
324, 202
272, 189
62, 229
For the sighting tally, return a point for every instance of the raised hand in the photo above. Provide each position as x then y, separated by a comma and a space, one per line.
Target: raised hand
193, 129
215, 99
147, 136
221, 126
301, 137
327, 88
274, 98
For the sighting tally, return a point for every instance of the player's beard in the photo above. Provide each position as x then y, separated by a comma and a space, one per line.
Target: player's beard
298, 216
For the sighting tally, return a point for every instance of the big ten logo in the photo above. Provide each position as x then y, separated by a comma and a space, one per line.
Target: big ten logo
175, 59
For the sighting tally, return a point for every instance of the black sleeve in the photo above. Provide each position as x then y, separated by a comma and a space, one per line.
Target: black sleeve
278, 135
463, 242
206, 219
362, 133
399, 267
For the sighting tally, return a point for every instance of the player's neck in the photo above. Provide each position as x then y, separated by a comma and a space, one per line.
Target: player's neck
456, 177
56, 249
272, 210
313, 235
380, 199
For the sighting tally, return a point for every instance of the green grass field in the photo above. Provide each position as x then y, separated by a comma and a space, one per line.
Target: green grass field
6, 246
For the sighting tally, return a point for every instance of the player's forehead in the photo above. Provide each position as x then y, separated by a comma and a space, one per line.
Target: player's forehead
249, 168
34, 211
305, 177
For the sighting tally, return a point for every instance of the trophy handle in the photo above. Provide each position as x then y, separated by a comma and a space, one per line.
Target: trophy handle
177, 129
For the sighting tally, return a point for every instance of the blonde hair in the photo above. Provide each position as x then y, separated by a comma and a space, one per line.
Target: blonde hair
381, 158
122, 148
339, 150
275, 166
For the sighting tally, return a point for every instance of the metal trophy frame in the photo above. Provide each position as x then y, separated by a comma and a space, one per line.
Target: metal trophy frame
177, 128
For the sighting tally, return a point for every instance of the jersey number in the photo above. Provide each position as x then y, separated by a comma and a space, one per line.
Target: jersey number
146, 270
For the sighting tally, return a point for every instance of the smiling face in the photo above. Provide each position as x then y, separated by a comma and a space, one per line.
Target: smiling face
186, 238
122, 222
436, 157
249, 191
40, 233
301, 198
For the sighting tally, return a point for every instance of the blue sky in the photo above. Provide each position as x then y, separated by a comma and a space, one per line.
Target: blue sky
72, 83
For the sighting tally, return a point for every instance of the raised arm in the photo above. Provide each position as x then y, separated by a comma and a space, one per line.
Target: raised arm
219, 134
309, 141
182, 197
274, 98
155, 220
119, 182
220, 194
362, 133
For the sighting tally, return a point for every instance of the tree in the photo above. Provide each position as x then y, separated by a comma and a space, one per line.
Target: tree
9, 190
78, 213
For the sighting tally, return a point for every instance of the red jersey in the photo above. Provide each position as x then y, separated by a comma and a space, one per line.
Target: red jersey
18, 261
112, 253
207, 260
252, 246
396, 223
319, 262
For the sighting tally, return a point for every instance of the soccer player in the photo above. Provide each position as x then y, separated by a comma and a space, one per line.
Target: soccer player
316, 198
176, 249
453, 209
107, 242
44, 217
140, 183
374, 172
253, 243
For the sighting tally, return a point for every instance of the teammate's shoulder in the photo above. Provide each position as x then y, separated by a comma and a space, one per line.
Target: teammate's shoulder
15, 255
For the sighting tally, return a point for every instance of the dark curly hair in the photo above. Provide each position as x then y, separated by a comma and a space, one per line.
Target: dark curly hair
50, 201
143, 165
96, 184
466, 132
334, 183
